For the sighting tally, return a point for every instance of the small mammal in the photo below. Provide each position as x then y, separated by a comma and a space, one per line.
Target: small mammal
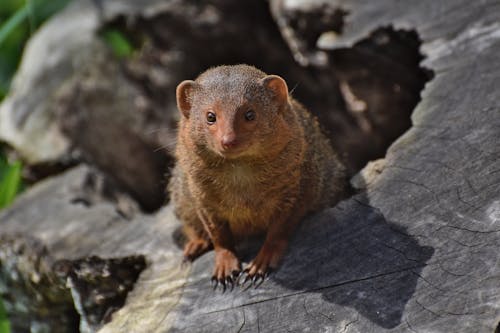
250, 160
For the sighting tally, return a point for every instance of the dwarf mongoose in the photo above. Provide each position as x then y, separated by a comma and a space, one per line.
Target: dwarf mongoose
250, 160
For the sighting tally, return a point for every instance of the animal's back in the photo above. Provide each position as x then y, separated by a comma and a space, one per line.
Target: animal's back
323, 170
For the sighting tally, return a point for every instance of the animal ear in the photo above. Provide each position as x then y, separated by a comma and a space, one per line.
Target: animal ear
184, 94
277, 86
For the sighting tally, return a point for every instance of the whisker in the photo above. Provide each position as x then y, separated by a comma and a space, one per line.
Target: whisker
153, 131
294, 87
168, 148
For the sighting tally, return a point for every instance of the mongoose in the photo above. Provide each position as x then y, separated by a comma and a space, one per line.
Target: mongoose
250, 160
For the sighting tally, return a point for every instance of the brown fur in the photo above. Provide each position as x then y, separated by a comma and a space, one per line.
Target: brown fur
280, 168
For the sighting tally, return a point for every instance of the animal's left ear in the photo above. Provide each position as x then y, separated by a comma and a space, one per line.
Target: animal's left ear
277, 86
184, 96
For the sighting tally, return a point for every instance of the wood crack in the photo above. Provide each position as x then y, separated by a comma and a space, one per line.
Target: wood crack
346, 326
244, 321
332, 286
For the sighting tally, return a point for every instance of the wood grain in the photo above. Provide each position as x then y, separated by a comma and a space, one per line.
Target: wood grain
415, 251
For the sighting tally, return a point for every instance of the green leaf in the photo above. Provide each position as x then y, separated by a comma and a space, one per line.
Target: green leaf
4, 326
9, 183
7, 7
4, 322
18, 21
13, 22
118, 42
10, 180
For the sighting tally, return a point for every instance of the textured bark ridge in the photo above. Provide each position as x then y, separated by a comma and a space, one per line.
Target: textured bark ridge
416, 249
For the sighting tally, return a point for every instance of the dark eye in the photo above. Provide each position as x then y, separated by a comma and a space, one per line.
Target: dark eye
250, 115
211, 118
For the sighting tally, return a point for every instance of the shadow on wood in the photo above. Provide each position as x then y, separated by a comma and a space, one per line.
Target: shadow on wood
349, 255
368, 263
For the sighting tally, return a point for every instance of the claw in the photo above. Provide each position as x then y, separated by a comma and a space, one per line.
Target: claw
268, 272
246, 287
237, 280
257, 280
247, 278
237, 277
223, 283
229, 280
214, 282
186, 260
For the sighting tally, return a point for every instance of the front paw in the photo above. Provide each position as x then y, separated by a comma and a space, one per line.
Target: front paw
227, 269
195, 248
266, 261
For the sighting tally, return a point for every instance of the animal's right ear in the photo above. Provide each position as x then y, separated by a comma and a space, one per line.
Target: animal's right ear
184, 94
278, 87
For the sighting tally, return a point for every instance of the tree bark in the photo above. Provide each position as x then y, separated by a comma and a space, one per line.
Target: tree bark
416, 249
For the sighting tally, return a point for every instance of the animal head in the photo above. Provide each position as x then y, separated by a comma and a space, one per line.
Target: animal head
235, 111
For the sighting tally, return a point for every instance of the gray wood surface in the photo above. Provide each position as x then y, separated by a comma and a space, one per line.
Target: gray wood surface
415, 251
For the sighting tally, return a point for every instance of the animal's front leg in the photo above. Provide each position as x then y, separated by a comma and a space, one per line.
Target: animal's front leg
267, 259
227, 265
274, 247
197, 242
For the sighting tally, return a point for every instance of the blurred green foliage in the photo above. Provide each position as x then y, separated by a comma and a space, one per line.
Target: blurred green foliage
10, 180
4, 323
118, 42
10, 185
18, 20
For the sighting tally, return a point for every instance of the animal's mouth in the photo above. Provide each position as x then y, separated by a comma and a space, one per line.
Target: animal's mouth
234, 152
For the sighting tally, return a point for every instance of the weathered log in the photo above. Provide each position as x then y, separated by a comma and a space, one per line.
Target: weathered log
414, 250
57, 241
